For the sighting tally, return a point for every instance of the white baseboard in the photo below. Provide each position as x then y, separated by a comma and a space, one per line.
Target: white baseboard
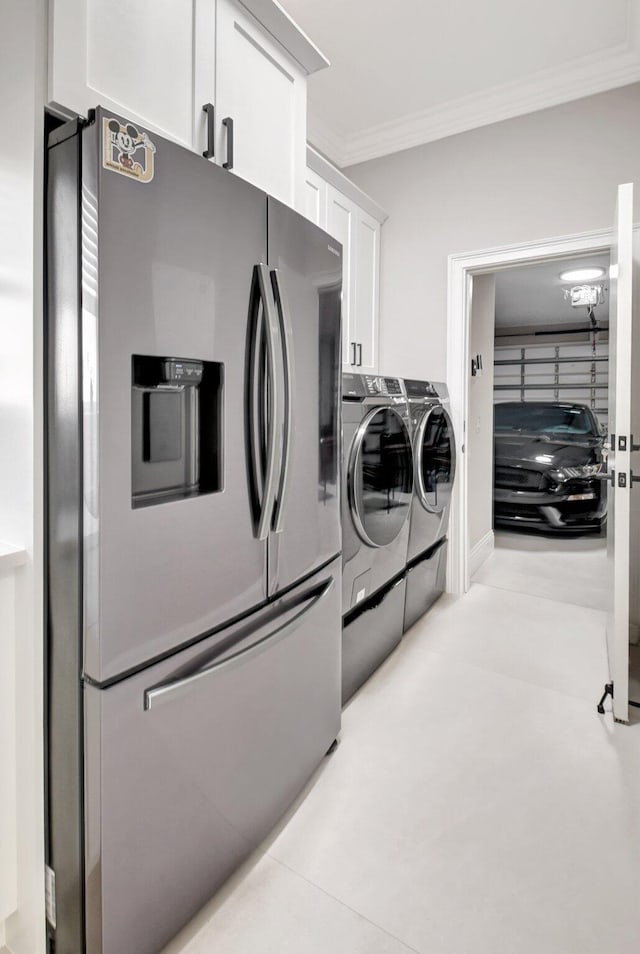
480, 552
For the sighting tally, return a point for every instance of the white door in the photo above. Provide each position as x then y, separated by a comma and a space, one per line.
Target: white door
315, 192
621, 321
340, 224
366, 270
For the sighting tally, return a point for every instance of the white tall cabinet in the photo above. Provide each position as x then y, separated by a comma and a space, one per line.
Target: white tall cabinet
159, 62
354, 219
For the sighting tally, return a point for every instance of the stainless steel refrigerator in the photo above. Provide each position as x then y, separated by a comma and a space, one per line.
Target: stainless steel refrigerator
193, 527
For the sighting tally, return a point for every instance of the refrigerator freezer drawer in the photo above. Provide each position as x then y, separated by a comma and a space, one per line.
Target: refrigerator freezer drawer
191, 762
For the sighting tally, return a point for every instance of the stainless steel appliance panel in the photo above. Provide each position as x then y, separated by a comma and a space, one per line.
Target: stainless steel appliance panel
370, 635
168, 267
425, 583
197, 758
63, 548
306, 272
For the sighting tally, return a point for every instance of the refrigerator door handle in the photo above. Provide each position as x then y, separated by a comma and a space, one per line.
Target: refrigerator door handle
286, 332
274, 424
224, 659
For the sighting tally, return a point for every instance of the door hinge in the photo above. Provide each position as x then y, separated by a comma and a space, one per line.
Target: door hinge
50, 896
622, 443
622, 479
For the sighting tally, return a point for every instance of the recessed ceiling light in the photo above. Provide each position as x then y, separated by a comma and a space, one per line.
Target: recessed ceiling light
582, 274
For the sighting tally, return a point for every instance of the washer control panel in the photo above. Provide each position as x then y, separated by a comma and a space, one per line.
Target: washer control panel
420, 389
370, 385
393, 386
385, 386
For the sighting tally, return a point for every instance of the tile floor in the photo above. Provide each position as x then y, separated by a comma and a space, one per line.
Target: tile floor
477, 804
570, 569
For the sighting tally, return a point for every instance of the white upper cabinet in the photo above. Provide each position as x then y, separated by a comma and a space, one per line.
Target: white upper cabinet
366, 269
354, 219
341, 214
159, 62
261, 97
135, 58
315, 198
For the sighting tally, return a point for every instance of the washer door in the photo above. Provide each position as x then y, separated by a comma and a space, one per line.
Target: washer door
380, 477
435, 459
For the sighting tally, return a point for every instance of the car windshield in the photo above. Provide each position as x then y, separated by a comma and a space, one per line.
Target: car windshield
530, 418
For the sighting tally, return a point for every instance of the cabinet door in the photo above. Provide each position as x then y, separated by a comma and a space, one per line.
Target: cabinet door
340, 224
263, 91
315, 196
135, 58
366, 254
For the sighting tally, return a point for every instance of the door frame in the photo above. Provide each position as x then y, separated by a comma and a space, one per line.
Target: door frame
461, 269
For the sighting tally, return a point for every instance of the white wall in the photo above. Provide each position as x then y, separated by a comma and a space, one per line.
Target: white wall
22, 80
480, 428
539, 176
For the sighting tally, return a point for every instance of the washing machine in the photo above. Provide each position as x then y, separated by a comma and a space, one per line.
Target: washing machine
376, 503
434, 463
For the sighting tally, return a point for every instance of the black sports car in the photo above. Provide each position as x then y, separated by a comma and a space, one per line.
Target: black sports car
548, 457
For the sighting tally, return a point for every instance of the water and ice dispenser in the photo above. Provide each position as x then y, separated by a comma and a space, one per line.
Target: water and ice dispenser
176, 433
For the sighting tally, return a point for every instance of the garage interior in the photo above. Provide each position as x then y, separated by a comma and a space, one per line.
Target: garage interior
541, 348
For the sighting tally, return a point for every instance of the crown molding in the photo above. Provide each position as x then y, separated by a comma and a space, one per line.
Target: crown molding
286, 31
587, 76
552, 88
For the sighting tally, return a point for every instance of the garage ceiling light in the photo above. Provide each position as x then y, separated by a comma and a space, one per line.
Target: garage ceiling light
581, 274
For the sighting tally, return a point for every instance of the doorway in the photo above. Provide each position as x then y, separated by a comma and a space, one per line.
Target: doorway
623, 508
464, 270
537, 424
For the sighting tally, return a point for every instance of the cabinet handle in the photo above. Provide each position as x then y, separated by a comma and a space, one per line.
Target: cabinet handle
210, 111
359, 354
353, 356
228, 123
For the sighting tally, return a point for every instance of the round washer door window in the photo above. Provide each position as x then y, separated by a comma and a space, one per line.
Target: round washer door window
435, 459
381, 477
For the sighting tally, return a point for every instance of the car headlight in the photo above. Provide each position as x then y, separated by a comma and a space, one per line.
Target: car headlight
571, 473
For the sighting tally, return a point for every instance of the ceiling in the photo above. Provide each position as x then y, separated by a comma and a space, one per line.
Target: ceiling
532, 294
411, 71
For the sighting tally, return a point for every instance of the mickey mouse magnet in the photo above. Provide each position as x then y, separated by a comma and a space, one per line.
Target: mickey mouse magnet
126, 150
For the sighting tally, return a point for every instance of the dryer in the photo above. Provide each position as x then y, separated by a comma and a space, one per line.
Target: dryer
377, 483
434, 461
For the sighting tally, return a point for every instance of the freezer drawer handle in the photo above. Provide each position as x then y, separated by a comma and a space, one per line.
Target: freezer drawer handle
174, 688
286, 334
210, 111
